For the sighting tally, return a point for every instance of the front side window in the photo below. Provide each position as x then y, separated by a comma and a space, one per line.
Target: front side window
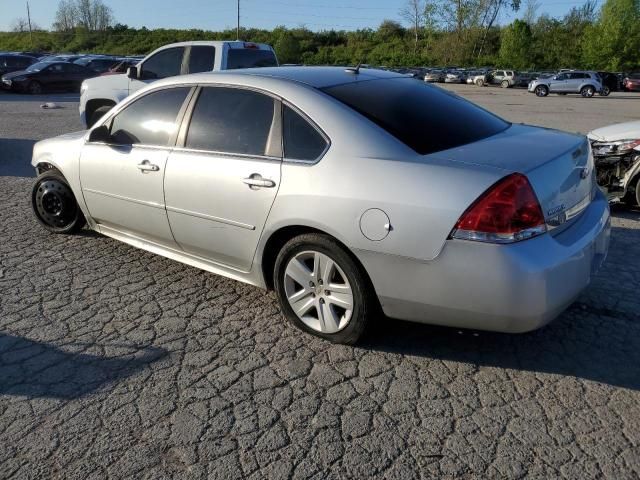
423, 117
301, 140
201, 59
150, 120
166, 63
231, 120
562, 76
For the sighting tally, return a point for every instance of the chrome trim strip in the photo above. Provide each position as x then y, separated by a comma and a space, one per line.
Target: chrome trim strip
568, 214
241, 156
126, 199
211, 217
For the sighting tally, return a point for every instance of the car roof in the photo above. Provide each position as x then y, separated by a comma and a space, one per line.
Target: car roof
317, 77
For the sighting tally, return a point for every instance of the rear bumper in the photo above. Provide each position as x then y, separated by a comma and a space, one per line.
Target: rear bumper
506, 288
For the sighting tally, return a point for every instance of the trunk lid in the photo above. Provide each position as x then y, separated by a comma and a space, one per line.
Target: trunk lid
559, 166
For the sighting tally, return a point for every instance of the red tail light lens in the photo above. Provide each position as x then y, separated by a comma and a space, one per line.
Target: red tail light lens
508, 212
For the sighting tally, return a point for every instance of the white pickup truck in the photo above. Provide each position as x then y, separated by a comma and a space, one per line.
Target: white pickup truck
98, 95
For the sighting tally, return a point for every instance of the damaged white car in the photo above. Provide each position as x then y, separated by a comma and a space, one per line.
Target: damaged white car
616, 152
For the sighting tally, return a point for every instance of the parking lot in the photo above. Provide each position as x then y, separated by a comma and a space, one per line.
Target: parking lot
115, 362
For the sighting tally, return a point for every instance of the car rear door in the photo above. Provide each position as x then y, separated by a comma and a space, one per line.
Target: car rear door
201, 58
122, 180
224, 173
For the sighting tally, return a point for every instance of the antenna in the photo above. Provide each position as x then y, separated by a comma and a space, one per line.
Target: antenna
353, 70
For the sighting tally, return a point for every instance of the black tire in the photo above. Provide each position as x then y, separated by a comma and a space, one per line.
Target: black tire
479, 82
97, 114
587, 91
541, 91
365, 303
632, 198
54, 204
35, 88
605, 91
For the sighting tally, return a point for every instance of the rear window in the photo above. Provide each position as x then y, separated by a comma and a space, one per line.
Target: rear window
426, 118
250, 58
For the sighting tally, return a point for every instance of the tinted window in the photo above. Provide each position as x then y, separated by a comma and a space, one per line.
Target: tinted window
562, 76
18, 61
150, 120
231, 120
166, 63
424, 117
250, 58
301, 140
201, 59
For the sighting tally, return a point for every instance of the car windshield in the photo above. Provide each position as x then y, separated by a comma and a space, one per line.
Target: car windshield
36, 67
427, 119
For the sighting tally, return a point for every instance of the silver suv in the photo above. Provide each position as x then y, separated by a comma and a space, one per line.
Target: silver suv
584, 83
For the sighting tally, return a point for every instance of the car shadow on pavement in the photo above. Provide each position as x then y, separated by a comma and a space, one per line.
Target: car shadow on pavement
15, 157
40, 370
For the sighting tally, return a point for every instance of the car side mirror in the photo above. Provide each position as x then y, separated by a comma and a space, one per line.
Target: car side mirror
132, 72
100, 134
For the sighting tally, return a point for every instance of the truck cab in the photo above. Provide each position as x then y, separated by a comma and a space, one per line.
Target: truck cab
99, 95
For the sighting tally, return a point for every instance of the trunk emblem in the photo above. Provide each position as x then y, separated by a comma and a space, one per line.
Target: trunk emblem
555, 210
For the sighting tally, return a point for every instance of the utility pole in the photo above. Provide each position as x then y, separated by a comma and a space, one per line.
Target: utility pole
29, 20
238, 26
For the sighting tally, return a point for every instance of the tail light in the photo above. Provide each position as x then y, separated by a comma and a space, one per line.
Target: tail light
507, 212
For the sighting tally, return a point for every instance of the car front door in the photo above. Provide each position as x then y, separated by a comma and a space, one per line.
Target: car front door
122, 179
51, 77
163, 64
224, 173
559, 83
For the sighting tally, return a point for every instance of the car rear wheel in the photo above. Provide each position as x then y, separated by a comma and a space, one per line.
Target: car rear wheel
605, 91
322, 289
34, 87
479, 82
542, 91
588, 91
54, 204
504, 84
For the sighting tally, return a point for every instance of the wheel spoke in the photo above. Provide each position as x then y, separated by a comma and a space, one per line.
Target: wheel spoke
302, 304
342, 299
329, 321
299, 272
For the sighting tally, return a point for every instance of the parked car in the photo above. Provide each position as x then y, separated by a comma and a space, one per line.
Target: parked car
13, 63
580, 82
122, 66
453, 76
345, 190
434, 76
632, 82
62, 58
504, 78
610, 83
47, 76
616, 151
97, 64
99, 95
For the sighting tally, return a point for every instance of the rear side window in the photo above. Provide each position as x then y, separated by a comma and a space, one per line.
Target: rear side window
250, 58
301, 139
201, 59
426, 118
166, 63
231, 120
150, 120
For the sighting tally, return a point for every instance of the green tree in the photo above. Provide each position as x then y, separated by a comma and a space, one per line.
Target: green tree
515, 45
613, 42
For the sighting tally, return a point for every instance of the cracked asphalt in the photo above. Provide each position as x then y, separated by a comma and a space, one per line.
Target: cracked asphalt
117, 363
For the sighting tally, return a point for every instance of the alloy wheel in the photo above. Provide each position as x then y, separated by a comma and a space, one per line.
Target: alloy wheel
318, 291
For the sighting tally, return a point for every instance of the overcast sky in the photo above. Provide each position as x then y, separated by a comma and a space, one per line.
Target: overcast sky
220, 14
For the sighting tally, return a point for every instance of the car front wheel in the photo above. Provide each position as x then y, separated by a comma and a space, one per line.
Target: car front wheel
34, 88
322, 289
504, 84
541, 91
54, 204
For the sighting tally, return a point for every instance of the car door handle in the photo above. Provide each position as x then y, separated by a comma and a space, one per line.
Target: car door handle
147, 166
256, 180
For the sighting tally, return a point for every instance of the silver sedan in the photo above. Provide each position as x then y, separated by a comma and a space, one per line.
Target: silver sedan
350, 192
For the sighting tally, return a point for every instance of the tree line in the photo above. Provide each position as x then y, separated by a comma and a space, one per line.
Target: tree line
445, 33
